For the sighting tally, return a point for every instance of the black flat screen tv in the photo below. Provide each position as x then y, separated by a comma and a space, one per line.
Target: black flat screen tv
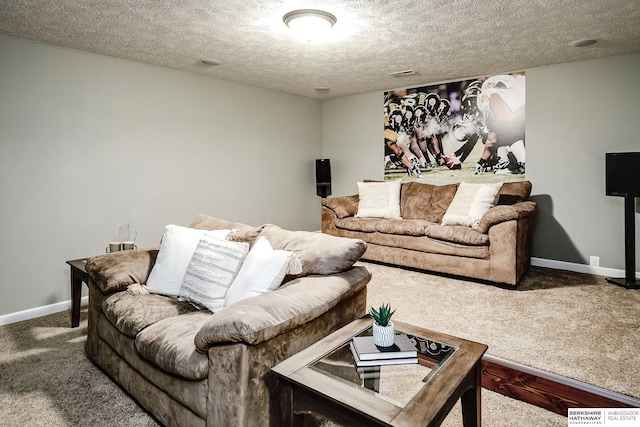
622, 174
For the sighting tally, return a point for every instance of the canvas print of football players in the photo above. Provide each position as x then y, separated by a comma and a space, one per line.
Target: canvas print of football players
471, 130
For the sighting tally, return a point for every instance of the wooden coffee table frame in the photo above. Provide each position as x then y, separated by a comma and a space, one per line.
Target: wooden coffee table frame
304, 390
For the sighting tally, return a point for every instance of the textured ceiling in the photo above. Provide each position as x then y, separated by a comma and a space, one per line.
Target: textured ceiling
439, 39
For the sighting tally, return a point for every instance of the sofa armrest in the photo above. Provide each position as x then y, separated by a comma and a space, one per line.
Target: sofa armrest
258, 319
114, 272
342, 206
502, 213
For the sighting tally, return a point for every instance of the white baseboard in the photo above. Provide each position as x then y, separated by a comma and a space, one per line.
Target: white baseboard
578, 268
39, 311
538, 262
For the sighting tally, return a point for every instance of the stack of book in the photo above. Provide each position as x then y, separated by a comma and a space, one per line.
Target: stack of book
366, 353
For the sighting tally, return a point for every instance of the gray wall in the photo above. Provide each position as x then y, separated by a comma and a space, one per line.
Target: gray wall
88, 142
576, 112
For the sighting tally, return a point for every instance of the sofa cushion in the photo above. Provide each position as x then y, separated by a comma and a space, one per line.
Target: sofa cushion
421, 244
498, 214
343, 206
319, 253
176, 250
116, 271
131, 313
213, 268
379, 199
262, 271
241, 232
457, 234
169, 345
470, 203
407, 227
366, 225
514, 192
256, 320
426, 201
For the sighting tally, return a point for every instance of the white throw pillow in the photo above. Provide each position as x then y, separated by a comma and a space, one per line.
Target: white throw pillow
470, 203
213, 267
379, 199
262, 271
176, 250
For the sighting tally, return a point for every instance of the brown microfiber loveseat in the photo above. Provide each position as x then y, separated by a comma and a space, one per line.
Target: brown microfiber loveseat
189, 367
498, 250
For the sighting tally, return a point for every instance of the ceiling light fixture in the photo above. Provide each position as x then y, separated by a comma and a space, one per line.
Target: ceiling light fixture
309, 24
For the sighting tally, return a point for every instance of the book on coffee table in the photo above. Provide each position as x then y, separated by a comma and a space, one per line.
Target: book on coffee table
401, 348
369, 372
379, 362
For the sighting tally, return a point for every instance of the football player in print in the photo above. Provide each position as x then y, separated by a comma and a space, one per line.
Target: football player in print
502, 104
397, 148
493, 113
414, 114
432, 129
470, 129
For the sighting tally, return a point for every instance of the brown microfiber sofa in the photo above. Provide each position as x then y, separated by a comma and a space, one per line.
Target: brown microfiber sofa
190, 367
498, 250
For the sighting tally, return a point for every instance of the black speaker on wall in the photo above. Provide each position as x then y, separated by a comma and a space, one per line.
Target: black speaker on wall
622, 174
323, 177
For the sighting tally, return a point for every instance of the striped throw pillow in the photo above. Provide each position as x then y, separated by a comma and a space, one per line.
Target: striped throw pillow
213, 267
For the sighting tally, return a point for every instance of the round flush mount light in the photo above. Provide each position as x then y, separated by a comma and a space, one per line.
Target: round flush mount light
583, 42
309, 24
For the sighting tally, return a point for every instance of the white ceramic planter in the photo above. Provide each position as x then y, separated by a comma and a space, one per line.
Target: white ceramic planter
383, 336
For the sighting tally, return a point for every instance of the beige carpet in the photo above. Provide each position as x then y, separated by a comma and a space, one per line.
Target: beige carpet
46, 381
572, 324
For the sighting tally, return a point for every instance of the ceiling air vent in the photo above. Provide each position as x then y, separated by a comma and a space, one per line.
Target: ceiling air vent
402, 73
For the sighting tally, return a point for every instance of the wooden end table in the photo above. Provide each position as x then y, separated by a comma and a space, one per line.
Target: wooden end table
78, 275
323, 379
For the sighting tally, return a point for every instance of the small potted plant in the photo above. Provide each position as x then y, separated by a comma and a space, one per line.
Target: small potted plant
383, 330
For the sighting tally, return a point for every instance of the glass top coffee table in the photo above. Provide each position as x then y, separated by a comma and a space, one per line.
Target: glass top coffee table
324, 379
